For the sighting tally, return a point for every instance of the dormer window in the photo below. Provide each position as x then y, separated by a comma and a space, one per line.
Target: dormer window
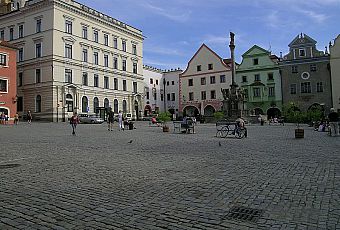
302, 52
255, 61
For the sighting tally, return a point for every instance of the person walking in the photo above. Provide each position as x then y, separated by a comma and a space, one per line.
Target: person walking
110, 120
120, 120
74, 121
29, 117
16, 119
2, 118
333, 118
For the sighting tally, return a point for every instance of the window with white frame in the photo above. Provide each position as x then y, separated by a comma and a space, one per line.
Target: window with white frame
222, 78
106, 39
203, 95
256, 92
106, 82
38, 50
212, 80
3, 59
124, 45
68, 26
85, 79
95, 58
69, 103
115, 63
135, 68
85, 55
68, 75
203, 81
2, 35
124, 65
68, 51
306, 87
135, 88
96, 80
271, 91
257, 77
212, 94
124, 85
134, 49
84, 32
106, 60
20, 79
37, 76
115, 83
21, 54
191, 96
11, 34
115, 43
319, 87
173, 96
95, 36
302, 52
38, 26
21, 31
3, 85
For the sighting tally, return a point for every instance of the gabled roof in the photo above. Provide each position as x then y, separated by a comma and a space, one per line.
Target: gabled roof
253, 48
302, 40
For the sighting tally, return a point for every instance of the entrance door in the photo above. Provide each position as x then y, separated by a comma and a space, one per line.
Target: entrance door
136, 110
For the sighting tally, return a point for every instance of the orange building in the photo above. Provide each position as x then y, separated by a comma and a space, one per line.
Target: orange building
8, 76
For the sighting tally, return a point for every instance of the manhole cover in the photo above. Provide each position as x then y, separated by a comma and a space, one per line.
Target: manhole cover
9, 166
244, 214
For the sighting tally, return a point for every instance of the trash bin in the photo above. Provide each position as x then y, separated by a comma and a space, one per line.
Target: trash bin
130, 125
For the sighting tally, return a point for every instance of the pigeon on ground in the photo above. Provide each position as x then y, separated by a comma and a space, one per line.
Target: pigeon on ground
219, 144
130, 142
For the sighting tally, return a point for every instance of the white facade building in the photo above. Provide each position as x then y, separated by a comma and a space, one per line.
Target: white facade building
73, 58
171, 78
153, 91
335, 72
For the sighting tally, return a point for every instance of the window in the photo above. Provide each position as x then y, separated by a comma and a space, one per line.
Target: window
156, 81
2, 35
270, 76
306, 87
84, 32
85, 79
203, 81
257, 77
151, 81
20, 79
68, 75
135, 69
134, 49
95, 58
115, 84
162, 97
293, 89
212, 94
3, 85
319, 87
124, 45
191, 96
115, 63
302, 52
38, 50
85, 55
115, 43
115, 106
37, 76
124, 106
124, 85
95, 80
3, 59
255, 61
124, 65
172, 82
95, 104
190, 82
173, 96
84, 104
106, 82
21, 31
69, 103
222, 78
95, 36
21, 54
168, 97
271, 91
256, 92
199, 68
167, 83
20, 104
245, 93
106, 39
210, 66
212, 80
147, 95
38, 104
313, 67
244, 79
294, 69
11, 34
203, 95
135, 88
68, 51
68, 26
38, 26
106, 60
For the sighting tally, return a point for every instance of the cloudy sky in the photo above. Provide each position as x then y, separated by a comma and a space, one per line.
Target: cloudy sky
175, 29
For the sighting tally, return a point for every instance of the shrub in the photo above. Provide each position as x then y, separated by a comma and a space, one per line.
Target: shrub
218, 115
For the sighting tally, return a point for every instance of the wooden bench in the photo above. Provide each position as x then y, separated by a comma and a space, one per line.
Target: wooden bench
187, 128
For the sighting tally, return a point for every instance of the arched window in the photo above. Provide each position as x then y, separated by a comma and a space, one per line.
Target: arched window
106, 103
124, 106
115, 106
95, 104
38, 104
85, 104
69, 103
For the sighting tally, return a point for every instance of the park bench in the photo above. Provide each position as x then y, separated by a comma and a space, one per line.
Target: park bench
187, 128
225, 128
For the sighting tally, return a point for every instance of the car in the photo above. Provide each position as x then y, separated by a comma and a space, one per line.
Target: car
86, 118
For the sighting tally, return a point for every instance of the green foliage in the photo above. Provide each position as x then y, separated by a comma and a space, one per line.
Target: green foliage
293, 114
218, 115
164, 117
314, 115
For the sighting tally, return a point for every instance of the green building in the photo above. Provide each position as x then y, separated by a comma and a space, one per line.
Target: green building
258, 75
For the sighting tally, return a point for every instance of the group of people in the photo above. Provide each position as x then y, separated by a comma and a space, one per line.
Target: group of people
4, 119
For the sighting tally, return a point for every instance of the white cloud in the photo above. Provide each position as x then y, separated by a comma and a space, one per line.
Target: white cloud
162, 50
174, 14
317, 17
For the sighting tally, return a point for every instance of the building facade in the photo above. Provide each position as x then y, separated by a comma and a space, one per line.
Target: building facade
305, 74
153, 91
73, 58
201, 83
8, 75
258, 75
335, 72
171, 87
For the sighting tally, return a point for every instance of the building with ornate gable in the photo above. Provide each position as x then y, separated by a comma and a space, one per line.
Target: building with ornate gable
335, 72
72, 58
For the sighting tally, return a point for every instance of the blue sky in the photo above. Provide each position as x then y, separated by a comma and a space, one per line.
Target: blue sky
175, 29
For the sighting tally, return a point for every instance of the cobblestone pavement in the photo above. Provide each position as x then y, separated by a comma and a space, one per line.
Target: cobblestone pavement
50, 179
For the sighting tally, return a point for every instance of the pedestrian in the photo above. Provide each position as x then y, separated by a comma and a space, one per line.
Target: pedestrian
29, 117
16, 119
121, 120
2, 118
74, 121
110, 120
6, 119
333, 118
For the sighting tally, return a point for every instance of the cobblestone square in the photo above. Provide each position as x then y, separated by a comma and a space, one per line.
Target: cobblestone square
98, 180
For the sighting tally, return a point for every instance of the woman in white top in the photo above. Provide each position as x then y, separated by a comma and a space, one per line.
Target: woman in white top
120, 120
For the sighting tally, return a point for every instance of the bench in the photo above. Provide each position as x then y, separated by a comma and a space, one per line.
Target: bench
187, 128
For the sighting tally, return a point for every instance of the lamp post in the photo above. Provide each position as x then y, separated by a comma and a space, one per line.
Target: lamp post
164, 100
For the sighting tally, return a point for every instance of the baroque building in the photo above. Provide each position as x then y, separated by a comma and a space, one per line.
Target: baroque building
335, 72
201, 84
72, 58
305, 74
258, 75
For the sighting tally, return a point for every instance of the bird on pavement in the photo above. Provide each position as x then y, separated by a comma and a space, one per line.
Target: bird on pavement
219, 144
130, 142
